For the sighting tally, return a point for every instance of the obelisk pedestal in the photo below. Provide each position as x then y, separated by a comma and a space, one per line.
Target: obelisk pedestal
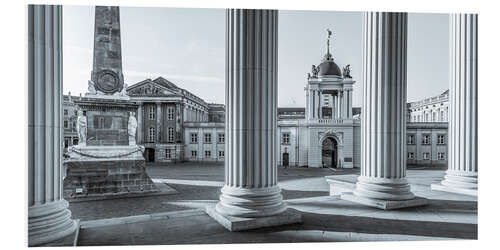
107, 162
382, 183
461, 176
251, 197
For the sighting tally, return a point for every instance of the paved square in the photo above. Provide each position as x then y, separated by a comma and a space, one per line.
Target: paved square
181, 218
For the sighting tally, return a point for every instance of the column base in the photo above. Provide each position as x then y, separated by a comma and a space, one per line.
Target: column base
385, 204
460, 182
233, 224
49, 222
384, 193
465, 191
250, 202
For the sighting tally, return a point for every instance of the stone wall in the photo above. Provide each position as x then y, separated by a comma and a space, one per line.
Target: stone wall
110, 177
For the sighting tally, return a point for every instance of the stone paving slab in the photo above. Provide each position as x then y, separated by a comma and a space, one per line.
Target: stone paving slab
234, 224
325, 219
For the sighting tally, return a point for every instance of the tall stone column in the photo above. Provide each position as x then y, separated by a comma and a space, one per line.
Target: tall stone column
251, 189
461, 176
158, 122
383, 182
320, 106
48, 216
318, 103
337, 113
344, 104
140, 126
313, 101
349, 105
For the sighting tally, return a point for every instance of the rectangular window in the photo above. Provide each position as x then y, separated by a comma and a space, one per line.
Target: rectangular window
426, 139
441, 139
207, 154
170, 113
221, 138
151, 113
410, 139
151, 134
65, 112
208, 138
168, 153
411, 155
285, 138
194, 138
440, 156
76, 112
65, 124
171, 135
221, 154
426, 156
194, 153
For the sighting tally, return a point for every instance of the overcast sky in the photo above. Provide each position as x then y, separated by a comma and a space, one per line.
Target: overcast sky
186, 46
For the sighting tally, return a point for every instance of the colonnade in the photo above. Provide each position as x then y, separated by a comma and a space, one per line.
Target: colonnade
251, 189
341, 106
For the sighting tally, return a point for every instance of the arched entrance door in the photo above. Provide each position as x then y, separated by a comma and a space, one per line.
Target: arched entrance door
329, 153
285, 159
149, 154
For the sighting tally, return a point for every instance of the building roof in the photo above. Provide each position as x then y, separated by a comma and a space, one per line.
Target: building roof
329, 67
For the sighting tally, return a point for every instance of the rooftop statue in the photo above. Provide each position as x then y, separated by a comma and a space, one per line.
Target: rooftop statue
314, 71
346, 71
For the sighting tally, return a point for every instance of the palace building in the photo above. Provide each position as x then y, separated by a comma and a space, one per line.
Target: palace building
174, 125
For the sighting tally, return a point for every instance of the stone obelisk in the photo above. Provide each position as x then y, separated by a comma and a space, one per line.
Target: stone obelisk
107, 161
107, 65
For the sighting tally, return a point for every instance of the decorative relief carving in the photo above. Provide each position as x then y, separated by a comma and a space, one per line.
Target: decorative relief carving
332, 133
149, 90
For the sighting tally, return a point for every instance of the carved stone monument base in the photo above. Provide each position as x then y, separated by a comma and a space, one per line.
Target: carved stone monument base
106, 171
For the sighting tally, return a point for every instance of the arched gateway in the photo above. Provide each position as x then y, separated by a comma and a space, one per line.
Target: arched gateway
329, 153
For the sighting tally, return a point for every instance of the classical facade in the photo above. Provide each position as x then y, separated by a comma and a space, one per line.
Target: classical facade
70, 116
432, 109
174, 125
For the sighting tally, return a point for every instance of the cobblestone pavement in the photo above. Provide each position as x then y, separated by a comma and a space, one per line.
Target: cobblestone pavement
189, 180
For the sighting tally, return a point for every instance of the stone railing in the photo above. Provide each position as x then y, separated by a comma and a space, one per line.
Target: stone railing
329, 121
430, 100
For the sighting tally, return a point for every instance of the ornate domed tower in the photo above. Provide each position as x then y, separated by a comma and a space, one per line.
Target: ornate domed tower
329, 113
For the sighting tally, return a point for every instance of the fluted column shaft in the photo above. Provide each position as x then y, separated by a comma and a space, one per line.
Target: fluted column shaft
383, 127
251, 94
462, 147
48, 216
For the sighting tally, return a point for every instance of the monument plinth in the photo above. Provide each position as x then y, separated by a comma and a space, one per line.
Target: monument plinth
107, 161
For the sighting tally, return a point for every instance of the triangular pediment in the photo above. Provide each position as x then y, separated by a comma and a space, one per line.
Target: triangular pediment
152, 88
